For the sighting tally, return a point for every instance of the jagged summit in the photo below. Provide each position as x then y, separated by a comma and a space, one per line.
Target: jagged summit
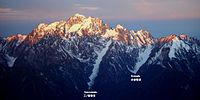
17, 37
169, 38
90, 26
79, 15
119, 26
174, 37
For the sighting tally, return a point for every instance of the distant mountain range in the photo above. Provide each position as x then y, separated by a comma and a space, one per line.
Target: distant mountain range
61, 60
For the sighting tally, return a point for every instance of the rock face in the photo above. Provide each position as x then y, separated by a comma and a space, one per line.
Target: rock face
62, 59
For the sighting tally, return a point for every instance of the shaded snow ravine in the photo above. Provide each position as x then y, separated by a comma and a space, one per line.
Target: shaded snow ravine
10, 60
96, 65
142, 58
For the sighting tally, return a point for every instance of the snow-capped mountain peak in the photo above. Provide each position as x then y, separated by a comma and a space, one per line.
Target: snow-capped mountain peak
75, 19
87, 26
176, 45
119, 26
79, 15
169, 38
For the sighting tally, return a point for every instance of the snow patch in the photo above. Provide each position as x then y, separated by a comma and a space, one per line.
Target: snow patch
176, 45
173, 49
86, 23
18, 42
10, 60
96, 65
74, 28
61, 69
110, 33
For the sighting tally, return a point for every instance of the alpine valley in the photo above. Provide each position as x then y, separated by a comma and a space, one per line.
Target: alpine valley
61, 60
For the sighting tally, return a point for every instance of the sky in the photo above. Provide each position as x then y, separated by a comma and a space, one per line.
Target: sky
159, 17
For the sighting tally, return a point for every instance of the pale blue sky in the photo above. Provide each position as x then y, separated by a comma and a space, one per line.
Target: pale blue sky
20, 16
